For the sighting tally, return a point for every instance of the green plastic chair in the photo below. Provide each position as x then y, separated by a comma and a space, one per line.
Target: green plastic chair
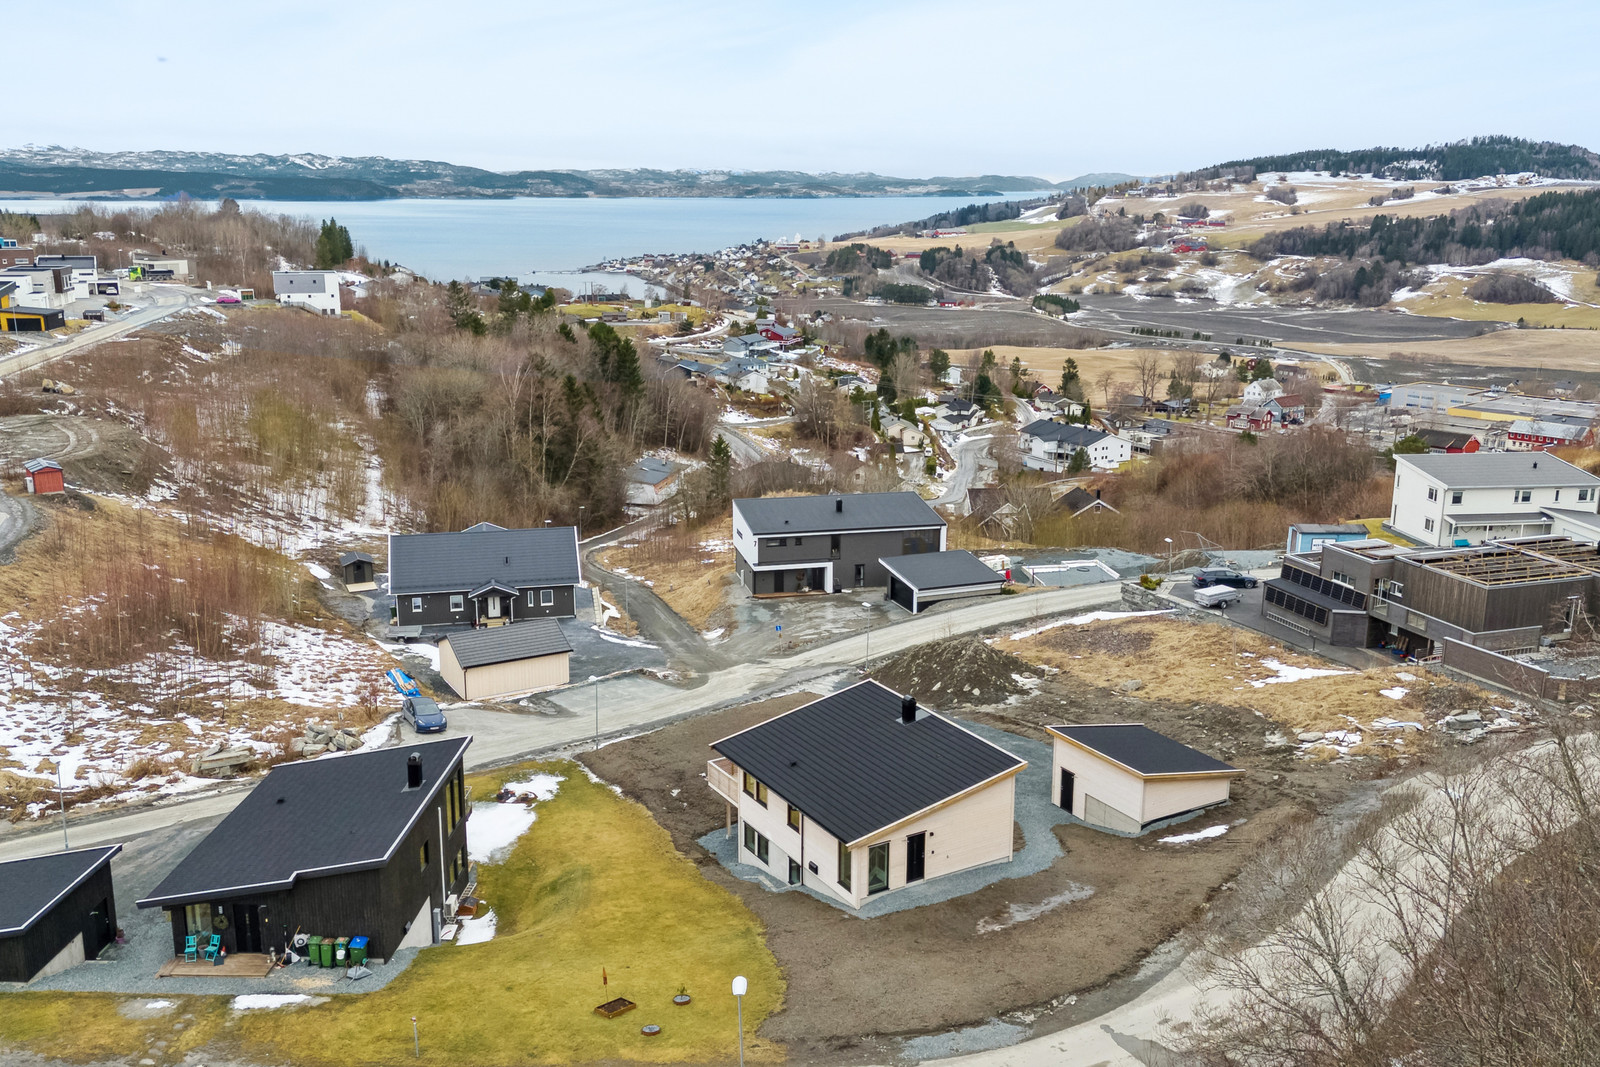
191, 951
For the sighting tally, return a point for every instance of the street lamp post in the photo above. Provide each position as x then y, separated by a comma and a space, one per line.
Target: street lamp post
580, 521
594, 680
740, 987
61, 798
866, 660
1169, 554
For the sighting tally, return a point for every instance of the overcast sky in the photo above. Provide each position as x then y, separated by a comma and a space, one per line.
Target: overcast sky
910, 89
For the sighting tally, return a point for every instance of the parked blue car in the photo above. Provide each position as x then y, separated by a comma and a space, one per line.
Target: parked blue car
423, 715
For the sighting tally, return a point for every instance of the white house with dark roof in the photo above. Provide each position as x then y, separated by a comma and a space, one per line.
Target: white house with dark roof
864, 792
822, 544
316, 290
1465, 498
1127, 778
1050, 446
485, 575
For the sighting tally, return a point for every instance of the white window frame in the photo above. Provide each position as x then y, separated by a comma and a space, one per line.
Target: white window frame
416, 603
1583, 495
1522, 496
458, 602
547, 598
1427, 524
1456, 496
1433, 494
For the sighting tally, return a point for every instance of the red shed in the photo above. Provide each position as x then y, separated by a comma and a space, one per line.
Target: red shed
44, 476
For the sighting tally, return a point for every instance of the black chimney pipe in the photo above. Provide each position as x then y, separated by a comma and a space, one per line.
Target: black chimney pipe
838, 505
908, 709
414, 771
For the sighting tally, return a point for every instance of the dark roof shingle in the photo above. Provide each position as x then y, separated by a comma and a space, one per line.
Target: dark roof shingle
321, 816
452, 562
1141, 749
942, 570
774, 515
33, 885
850, 764
503, 644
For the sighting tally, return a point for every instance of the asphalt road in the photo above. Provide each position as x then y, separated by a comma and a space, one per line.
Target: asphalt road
159, 302
1278, 324
628, 704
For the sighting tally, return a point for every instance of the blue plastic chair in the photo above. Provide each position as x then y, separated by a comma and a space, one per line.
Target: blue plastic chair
214, 947
191, 951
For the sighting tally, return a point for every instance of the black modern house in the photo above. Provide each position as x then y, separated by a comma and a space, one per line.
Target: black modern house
55, 911
485, 575
370, 844
826, 544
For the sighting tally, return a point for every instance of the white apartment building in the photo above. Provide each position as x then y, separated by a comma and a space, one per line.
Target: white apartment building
314, 289
1466, 498
1050, 446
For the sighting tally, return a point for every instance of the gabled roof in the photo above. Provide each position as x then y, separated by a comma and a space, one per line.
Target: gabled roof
782, 515
33, 886
331, 815
942, 570
353, 557
503, 644
1498, 470
1078, 500
457, 562
851, 765
1142, 750
34, 466
1443, 438
649, 470
1064, 433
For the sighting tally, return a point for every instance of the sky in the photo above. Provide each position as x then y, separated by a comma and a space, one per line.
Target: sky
912, 89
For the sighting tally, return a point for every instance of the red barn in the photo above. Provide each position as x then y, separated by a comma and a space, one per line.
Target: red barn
44, 476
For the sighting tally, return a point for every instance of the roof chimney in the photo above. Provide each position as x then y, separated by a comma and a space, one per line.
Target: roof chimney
838, 505
414, 771
908, 709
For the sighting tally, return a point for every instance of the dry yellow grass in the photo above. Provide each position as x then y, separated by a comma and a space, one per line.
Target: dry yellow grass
1046, 364
690, 578
1188, 662
1566, 350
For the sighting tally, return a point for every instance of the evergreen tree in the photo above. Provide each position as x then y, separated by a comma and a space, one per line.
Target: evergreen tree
463, 309
1088, 416
938, 364
1078, 463
720, 469
333, 245
1071, 384
1019, 380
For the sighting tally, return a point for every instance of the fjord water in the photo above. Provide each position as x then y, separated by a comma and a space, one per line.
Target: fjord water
445, 239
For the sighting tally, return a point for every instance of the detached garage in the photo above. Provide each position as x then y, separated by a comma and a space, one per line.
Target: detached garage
1126, 778
505, 661
919, 581
56, 911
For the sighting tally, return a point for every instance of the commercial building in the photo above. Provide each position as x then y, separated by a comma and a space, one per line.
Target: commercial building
864, 792
820, 544
367, 844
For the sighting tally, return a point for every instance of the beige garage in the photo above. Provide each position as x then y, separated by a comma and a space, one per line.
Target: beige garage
1127, 778
505, 661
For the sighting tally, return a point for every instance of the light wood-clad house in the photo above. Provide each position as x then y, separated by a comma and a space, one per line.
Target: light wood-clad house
863, 792
1126, 778
505, 661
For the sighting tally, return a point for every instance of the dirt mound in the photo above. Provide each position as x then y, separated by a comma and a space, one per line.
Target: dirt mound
957, 670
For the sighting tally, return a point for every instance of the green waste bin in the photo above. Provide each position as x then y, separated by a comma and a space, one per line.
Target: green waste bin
341, 952
314, 950
358, 951
327, 951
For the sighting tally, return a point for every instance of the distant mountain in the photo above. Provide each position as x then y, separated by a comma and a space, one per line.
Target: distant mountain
1089, 181
55, 171
1455, 161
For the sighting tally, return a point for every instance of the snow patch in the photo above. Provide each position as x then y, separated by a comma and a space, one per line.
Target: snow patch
1198, 835
1021, 913
318, 571
1094, 616
476, 930
606, 635
1283, 672
1396, 693
253, 1001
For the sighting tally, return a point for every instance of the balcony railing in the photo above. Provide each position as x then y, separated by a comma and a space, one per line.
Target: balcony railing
720, 776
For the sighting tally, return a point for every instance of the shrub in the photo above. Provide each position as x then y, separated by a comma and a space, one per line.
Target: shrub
1283, 194
1504, 287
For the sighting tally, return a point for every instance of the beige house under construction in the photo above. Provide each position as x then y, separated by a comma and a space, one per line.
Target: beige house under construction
863, 792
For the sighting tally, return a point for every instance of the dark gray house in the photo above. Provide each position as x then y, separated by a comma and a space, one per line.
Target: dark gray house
357, 570
825, 544
484, 576
369, 844
918, 582
55, 911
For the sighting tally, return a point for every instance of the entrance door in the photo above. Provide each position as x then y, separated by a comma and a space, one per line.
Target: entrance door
494, 607
247, 927
916, 857
878, 868
777, 581
1068, 786
99, 932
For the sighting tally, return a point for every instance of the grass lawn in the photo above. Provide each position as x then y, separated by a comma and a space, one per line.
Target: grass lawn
595, 883
79, 1027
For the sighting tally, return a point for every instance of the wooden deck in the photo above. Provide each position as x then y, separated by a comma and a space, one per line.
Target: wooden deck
237, 965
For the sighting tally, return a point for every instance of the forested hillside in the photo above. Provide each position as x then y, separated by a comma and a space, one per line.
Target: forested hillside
1561, 225
1457, 161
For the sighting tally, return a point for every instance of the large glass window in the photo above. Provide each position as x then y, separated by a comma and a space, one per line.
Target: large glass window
755, 788
756, 843
844, 866
878, 868
794, 817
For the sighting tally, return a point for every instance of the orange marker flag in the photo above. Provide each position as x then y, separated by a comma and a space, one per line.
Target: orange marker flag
603, 979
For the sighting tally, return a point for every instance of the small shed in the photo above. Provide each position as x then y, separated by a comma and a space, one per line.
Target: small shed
1126, 778
918, 581
57, 911
504, 661
358, 571
44, 476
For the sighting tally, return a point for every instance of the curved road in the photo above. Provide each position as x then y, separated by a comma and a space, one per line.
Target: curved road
162, 301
